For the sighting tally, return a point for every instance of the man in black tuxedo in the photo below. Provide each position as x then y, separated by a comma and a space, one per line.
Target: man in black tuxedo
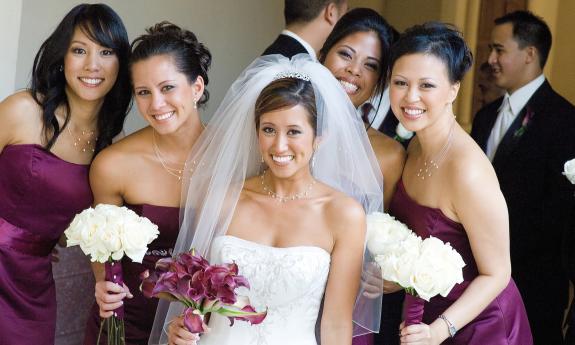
308, 23
528, 134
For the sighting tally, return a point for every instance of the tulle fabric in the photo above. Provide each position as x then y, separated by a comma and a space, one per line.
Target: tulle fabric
226, 154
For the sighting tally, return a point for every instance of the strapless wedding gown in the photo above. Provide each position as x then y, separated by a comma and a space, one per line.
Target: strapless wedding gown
290, 282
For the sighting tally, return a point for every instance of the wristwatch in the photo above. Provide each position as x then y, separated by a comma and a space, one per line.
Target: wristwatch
450, 327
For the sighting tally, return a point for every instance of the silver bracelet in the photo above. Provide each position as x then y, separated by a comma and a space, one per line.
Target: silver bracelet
450, 327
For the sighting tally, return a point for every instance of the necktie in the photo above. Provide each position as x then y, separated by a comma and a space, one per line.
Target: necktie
365, 110
504, 120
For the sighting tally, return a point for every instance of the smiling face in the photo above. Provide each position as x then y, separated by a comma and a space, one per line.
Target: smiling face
356, 62
163, 95
507, 59
420, 90
286, 140
90, 69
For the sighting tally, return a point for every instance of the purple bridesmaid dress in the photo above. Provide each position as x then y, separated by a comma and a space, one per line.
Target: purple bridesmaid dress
40, 194
140, 311
504, 320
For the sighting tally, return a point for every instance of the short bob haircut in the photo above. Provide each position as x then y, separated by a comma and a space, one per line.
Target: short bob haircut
103, 26
441, 40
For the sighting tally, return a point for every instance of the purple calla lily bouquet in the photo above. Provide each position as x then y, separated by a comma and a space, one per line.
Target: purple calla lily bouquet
202, 288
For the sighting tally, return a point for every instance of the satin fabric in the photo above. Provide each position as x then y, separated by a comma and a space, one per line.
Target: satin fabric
40, 194
504, 320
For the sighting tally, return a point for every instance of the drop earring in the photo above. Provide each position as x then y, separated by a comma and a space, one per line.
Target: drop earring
195, 104
61, 68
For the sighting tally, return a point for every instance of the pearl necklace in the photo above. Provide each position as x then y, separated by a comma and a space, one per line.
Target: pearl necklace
433, 164
285, 198
89, 145
172, 171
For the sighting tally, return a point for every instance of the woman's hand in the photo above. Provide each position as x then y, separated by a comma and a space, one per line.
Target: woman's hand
109, 297
421, 334
178, 334
374, 285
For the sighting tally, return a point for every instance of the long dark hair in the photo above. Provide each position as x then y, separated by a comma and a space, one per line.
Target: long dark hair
191, 57
102, 25
363, 20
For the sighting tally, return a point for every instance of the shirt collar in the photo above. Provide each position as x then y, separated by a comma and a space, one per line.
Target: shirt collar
521, 96
306, 45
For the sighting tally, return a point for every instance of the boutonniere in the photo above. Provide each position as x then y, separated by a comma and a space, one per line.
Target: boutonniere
402, 134
526, 120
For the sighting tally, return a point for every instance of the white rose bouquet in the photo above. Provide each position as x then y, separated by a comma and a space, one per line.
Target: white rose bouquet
106, 233
424, 268
569, 170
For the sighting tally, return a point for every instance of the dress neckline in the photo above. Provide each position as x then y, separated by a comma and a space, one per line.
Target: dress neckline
437, 210
142, 205
48, 152
311, 247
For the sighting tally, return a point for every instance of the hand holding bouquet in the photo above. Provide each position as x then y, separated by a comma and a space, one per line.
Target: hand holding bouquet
424, 268
106, 233
202, 288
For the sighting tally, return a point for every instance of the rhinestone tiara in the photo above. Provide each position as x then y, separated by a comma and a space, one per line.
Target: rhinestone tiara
292, 74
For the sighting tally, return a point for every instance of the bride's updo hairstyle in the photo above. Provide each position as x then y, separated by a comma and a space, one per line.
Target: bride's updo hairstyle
191, 57
286, 93
441, 40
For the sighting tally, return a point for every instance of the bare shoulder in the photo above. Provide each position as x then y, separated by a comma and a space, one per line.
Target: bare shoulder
386, 149
343, 211
19, 112
121, 157
469, 168
20, 102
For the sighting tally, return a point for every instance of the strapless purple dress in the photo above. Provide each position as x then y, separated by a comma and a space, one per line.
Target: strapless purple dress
504, 320
140, 311
39, 195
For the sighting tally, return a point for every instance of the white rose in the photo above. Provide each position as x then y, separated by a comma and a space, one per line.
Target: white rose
384, 233
569, 170
88, 235
397, 264
437, 270
77, 226
136, 236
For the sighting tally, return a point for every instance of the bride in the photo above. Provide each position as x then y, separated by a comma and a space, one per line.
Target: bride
277, 184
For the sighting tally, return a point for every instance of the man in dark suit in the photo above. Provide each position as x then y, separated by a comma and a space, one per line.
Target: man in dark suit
308, 23
529, 134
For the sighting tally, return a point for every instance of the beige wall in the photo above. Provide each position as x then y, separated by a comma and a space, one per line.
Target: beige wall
563, 74
375, 4
559, 68
405, 13
10, 15
235, 32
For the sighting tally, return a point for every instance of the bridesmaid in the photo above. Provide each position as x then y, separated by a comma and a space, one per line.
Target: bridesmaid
449, 190
143, 171
77, 102
357, 53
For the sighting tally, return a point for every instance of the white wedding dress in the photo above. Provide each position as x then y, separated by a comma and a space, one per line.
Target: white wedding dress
290, 282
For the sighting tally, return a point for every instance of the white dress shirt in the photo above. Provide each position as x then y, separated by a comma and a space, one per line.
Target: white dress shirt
508, 111
306, 45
